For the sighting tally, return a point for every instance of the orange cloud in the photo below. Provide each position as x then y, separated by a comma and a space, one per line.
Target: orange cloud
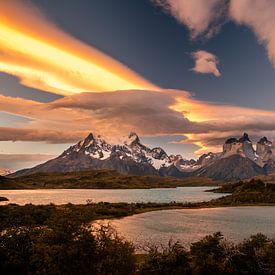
46, 58
40, 135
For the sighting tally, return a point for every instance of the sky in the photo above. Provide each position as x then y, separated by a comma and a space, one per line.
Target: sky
185, 75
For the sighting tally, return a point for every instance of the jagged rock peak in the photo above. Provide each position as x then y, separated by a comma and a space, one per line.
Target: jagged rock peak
264, 141
90, 137
231, 140
132, 139
244, 138
88, 140
158, 153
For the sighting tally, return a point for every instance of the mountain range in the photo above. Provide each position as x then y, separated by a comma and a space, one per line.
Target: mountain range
238, 159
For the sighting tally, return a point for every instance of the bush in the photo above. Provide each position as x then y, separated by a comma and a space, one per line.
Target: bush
62, 243
64, 248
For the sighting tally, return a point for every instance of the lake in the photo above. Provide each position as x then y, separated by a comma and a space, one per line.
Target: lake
80, 196
190, 225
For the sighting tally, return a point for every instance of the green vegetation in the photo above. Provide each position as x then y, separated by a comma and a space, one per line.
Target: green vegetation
213, 255
51, 239
99, 179
64, 246
13, 215
254, 191
59, 242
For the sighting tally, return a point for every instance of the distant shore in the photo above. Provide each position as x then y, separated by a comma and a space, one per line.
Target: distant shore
99, 179
252, 193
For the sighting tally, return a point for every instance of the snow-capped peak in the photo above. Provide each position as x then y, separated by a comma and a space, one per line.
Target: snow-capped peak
5, 171
132, 139
131, 150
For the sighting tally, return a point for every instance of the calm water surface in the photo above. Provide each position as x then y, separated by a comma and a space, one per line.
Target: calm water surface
190, 225
80, 196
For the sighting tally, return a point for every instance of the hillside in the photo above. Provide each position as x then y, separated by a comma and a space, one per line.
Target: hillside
232, 168
101, 179
254, 191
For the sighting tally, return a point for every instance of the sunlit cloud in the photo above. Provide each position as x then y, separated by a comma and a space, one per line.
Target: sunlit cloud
205, 17
44, 57
206, 63
259, 16
149, 113
24, 157
19, 161
201, 17
40, 135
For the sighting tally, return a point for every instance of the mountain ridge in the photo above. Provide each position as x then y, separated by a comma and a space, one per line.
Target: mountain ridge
238, 160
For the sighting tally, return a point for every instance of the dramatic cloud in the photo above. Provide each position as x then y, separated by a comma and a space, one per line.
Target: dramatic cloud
206, 63
46, 58
145, 112
149, 113
167, 112
202, 17
41, 135
24, 157
19, 161
259, 16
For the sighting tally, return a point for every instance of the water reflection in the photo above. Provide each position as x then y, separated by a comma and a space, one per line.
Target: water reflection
190, 225
81, 196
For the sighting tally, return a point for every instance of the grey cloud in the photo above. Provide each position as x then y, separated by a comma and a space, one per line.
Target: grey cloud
59, 137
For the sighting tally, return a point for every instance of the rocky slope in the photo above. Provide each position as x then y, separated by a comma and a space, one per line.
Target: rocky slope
234, 167
239, 160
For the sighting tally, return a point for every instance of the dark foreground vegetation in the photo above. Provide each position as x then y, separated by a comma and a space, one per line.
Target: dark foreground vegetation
63, 244
54, 239
99, 179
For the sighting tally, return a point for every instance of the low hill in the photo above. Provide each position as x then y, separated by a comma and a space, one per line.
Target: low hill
254, 191
101, 179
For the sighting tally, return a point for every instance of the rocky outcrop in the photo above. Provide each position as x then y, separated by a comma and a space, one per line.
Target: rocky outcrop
242, 146
265, 150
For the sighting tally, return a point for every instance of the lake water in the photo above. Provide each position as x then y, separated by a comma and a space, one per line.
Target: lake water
190, 225
80, 196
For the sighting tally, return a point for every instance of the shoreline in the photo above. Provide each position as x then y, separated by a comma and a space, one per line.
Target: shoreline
137, 208
164, 208
3, 199
253, 193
